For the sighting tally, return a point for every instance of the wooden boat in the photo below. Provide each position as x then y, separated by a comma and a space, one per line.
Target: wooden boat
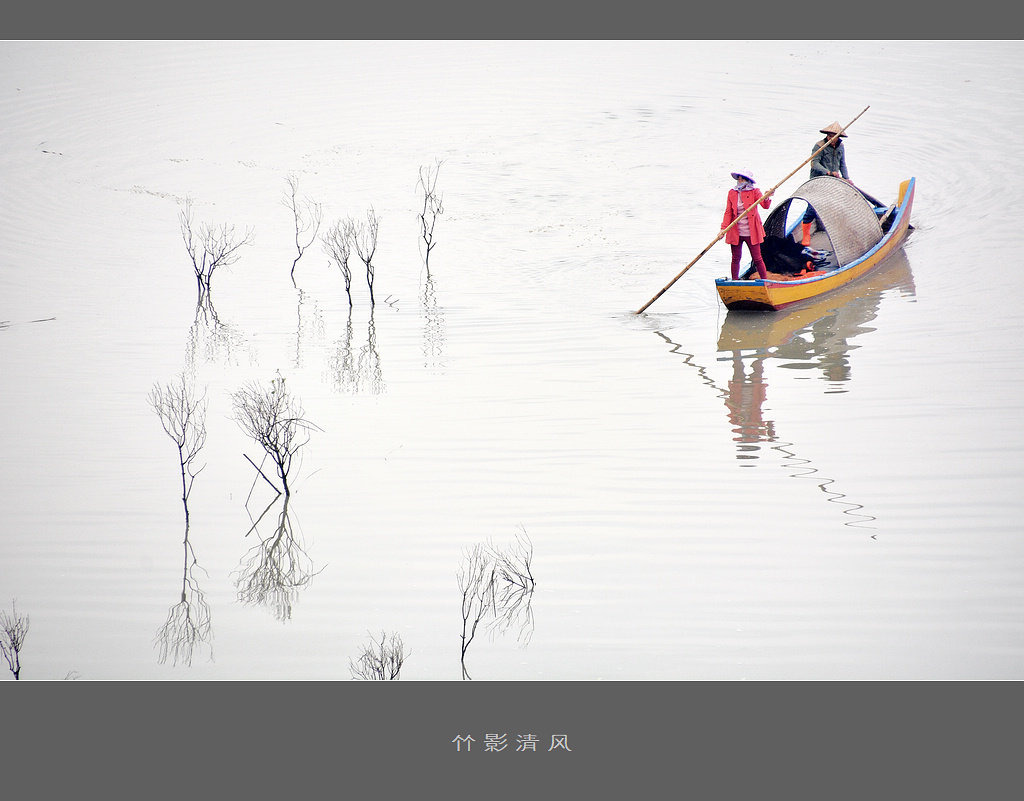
853, 234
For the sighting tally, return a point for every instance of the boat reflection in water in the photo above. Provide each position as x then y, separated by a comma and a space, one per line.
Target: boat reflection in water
817, 336
813, 337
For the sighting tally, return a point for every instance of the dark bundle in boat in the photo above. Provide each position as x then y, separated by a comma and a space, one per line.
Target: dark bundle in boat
784, 256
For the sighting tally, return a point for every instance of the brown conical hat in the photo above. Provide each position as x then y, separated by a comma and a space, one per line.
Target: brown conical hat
834, 128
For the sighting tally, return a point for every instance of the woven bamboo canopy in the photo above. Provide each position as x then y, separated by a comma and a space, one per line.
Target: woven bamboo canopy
844, 214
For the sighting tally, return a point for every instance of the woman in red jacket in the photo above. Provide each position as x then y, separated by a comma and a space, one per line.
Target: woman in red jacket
749, 229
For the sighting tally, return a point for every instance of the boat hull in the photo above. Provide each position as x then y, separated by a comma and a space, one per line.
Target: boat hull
771, 295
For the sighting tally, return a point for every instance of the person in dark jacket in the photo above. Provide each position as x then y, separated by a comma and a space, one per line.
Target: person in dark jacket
831, 160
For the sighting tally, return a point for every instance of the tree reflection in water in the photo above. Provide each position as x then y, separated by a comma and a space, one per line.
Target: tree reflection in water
188, 626
310, 326
368, 367
274, 572
210, 339
433, 327
357, 371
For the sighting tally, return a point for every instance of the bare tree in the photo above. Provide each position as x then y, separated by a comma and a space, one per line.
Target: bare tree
346, 235
337, 244
275, 420
210, 246
308, 217
365, 241
379, 661
497, 586
13, 629
432, 206
183, 416
477, 585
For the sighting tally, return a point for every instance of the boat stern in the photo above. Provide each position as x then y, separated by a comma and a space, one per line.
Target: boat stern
751, 295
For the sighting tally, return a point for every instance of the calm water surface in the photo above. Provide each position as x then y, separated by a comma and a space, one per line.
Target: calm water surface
830, 493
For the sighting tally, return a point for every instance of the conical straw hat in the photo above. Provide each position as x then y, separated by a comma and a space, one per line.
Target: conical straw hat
834, 128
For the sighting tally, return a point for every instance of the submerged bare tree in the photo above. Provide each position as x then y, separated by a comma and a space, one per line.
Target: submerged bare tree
337, 243
365, 241
347, 235
276, 420
183, 415
13, 630
307, 214
210, 246
497, 591
379, 661
432, 206
476, 583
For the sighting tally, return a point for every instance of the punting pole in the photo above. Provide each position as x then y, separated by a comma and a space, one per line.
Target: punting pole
769, 193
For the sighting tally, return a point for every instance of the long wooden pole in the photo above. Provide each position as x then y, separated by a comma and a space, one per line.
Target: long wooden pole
769, 193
